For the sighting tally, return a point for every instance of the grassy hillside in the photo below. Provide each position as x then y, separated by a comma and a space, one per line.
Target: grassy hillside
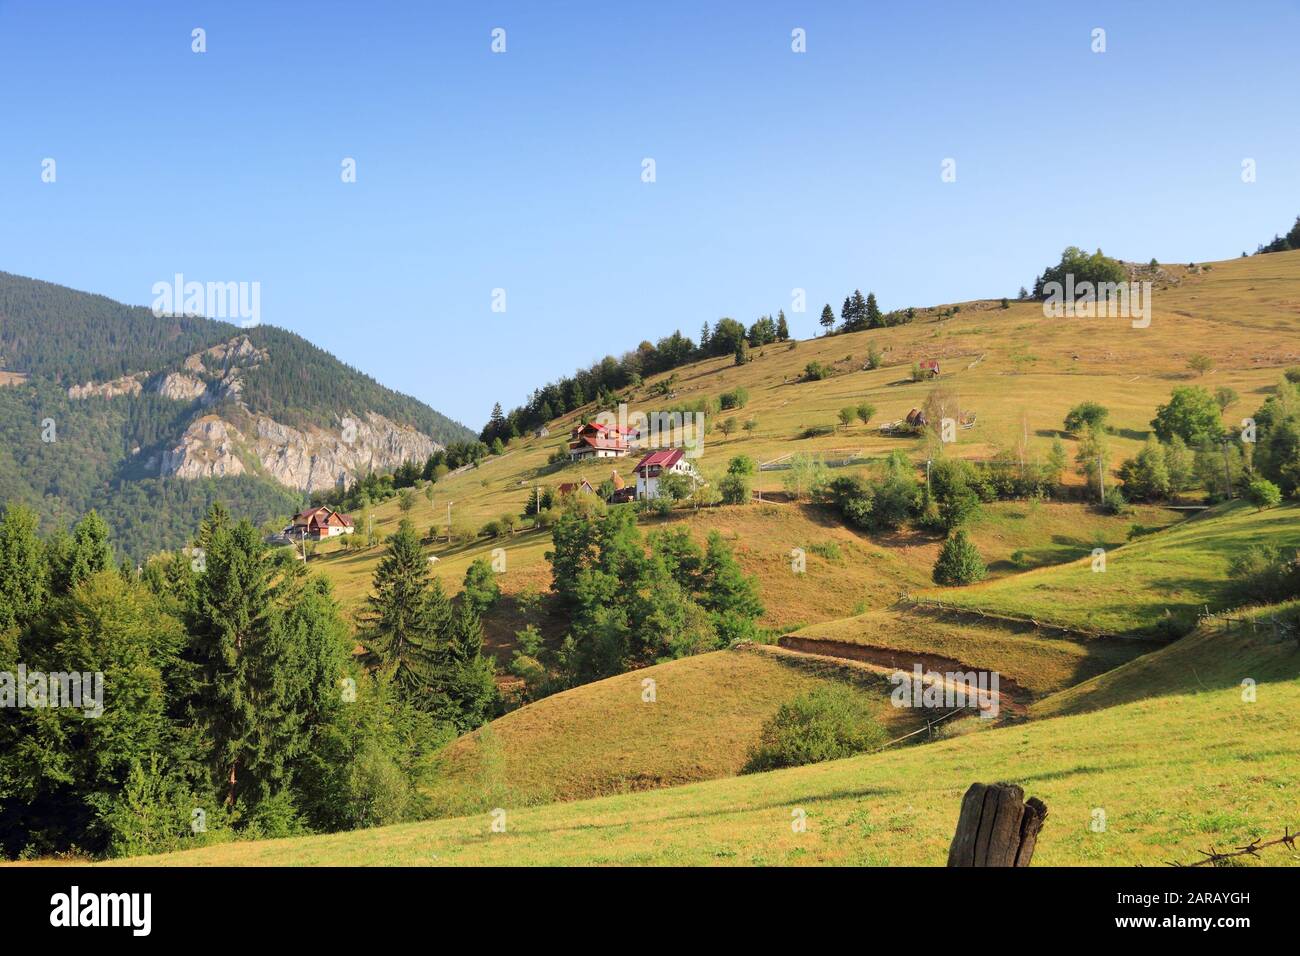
1039, 663
1017, 370
1218, 655
602, 738
1161, 577
1224, 772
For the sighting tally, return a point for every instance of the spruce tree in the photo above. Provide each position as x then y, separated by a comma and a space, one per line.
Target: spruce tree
231, 617
23, 573
959, 562
873, 317
827, 320
405, 616
782, 328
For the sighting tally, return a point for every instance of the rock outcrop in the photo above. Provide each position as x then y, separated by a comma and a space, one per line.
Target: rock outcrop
239, 440
126, 385
308, 459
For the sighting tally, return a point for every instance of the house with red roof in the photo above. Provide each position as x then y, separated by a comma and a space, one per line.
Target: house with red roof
318, 523
596, 440
574, 487
657, 464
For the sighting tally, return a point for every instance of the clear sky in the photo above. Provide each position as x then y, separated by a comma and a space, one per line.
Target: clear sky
522, 170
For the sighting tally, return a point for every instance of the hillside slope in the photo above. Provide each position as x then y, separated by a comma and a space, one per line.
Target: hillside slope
1154, 585
604, 738
1224, 772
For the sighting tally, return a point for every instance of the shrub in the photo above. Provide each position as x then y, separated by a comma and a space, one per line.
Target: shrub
741, 465
817, 431
959, 562
735, 489
829, 550
815, 372
736, 398
1264, 575
1114, 503
827, 723
1264, 494
1086, 415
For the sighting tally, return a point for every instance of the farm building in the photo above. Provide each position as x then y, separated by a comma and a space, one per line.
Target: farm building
594, 440
655, 465
319, 523
929, 368
574, 487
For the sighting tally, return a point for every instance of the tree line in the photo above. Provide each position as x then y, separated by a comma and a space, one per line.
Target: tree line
233, 704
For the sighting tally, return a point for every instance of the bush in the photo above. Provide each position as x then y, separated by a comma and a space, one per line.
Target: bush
959, 562
1085, 415
735, 489
1114, 502
1264, 575
736, 398
827, 723
815, 372
1264, 494
818, 431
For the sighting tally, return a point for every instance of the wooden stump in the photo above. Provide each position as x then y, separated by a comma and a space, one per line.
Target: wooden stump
997, 827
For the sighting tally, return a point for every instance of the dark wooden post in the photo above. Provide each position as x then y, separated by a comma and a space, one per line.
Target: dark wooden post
997, 827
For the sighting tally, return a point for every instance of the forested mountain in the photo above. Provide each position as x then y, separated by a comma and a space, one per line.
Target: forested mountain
149, 419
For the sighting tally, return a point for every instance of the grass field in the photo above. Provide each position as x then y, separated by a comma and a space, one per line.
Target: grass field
1174, 775
603, 738
1165, 576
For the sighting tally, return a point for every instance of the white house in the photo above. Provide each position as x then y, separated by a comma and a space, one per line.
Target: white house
652, 467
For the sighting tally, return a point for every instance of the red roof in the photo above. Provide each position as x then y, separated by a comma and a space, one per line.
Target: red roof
663, 459
614, 444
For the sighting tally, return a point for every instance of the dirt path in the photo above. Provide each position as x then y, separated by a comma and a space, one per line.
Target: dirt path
1014, 698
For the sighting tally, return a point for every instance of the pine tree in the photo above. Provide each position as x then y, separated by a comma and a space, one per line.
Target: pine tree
782, 328
872, 314
23, 574
231, 617
481, 588
854, 313
724, 587
88, 552
959, 562
466, 684
406, 616
704, 339
827, 320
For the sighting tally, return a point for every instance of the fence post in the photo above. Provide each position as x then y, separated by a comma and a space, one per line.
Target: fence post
996, 827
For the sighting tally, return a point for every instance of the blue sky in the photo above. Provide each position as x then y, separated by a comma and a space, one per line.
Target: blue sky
522, 170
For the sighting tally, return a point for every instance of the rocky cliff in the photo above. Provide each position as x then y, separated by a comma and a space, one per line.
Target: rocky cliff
307, 459
235, 440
